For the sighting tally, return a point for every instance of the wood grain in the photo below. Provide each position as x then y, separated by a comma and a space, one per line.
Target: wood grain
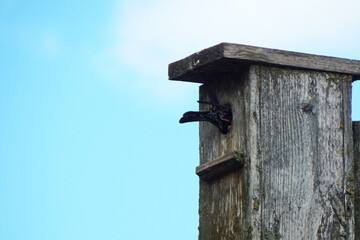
224, 204
356, 178
295, 126
303, 157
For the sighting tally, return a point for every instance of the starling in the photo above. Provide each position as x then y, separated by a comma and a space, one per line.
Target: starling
218, 115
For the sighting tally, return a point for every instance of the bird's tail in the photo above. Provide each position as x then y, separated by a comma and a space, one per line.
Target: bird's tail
194, 117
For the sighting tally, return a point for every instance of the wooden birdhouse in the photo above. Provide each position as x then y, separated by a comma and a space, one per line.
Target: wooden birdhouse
287, 168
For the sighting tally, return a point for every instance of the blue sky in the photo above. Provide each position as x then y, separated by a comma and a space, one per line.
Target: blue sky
90, 145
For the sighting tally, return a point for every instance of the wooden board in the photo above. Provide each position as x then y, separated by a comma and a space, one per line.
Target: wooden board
295, 127
224, 202
218, 61
305, 154
356, 178
219, 167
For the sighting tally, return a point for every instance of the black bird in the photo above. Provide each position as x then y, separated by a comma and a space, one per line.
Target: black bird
218, 115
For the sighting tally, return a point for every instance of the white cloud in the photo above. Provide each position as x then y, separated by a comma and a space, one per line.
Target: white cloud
173, 27
148, 36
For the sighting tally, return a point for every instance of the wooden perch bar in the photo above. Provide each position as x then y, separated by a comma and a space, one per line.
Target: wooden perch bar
220, 166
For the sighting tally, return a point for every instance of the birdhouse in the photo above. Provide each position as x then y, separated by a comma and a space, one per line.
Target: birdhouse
285, 166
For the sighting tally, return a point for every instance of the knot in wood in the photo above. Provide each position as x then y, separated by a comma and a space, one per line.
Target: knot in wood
306, 107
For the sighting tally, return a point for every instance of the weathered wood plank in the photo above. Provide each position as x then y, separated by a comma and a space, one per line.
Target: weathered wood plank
224, 202
217, 61
348, 155
220, 166
304, 160
356, 178
295, 127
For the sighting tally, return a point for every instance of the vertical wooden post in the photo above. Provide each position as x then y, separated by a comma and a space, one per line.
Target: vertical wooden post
286, 169
356, 179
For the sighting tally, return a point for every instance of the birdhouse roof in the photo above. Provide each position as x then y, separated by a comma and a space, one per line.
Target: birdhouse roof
227, 58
